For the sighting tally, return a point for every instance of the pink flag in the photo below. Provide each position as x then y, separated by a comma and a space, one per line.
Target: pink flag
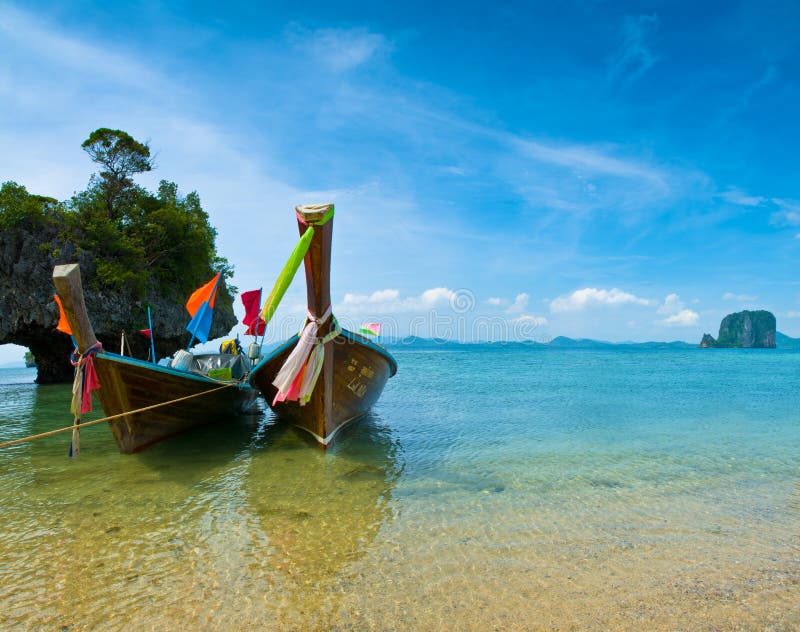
370, 329
252, 302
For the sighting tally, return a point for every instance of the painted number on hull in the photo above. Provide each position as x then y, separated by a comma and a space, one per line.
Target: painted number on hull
356, 384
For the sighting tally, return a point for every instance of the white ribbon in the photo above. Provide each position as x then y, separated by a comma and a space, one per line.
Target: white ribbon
307, 350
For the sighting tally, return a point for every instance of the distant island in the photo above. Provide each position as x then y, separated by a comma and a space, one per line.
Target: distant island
30, 361
744, 330
782, 341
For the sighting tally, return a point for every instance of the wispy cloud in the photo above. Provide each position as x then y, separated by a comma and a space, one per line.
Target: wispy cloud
784, 213
769, 75
50, 44
788, 213
339, 50
589, 160
739, 197
634, 56
589, 297
570, 180
672, 304
743, 298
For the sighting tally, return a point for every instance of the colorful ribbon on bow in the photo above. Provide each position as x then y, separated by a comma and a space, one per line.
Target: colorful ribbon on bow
85, 380
82, 386
299, 374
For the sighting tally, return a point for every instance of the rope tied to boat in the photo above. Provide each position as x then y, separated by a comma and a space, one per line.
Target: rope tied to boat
85, 424
298, 376
83, 384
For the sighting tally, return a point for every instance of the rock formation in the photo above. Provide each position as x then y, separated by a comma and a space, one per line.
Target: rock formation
747, 329
28, 313
135, 248
708, 341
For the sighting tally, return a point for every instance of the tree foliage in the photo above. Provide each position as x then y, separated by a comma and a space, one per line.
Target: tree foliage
121, 156
138, 239
20, 209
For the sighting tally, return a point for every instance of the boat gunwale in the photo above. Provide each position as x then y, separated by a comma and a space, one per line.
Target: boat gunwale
384, 353
115, 357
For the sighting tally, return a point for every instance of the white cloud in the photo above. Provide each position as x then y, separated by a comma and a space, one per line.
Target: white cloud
437, 295
672, 304
684, 318
340, 50
792, 314
519, 304
591, 297
495, 301
389, 300
746, 298
737, 196
379, 296
526, 325
534, 320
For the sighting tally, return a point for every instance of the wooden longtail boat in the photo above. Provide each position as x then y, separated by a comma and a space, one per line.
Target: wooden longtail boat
354, 370
128, 384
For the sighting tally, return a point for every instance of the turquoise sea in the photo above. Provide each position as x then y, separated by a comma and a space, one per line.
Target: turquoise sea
491, 488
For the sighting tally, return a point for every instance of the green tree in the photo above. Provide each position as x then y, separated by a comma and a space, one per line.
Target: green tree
161, 238
20, 209
121, 156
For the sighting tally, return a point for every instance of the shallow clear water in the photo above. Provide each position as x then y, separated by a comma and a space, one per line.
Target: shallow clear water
507, 488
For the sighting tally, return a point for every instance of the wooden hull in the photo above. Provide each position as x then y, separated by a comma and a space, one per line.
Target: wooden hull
352, 380
129, 384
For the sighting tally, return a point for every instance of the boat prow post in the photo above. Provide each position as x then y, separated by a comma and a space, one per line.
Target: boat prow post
67, 279
317, 265
325, 377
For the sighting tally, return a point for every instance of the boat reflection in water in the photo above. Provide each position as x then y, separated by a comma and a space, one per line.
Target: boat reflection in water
322, 510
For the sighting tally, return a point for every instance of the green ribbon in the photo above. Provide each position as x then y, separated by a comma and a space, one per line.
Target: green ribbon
286, 276
325, 218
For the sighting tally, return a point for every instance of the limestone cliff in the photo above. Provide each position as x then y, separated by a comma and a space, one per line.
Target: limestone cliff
747, 329
135, 248
28, 313
708, 341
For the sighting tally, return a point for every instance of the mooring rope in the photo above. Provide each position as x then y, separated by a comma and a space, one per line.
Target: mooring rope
97, 421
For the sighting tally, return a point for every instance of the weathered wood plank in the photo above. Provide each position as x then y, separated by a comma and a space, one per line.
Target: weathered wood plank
67, 279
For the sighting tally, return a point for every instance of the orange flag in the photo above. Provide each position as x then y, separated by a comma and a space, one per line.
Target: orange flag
201, 295
63, 323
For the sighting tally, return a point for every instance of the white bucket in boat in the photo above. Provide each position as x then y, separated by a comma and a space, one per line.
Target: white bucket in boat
182, 360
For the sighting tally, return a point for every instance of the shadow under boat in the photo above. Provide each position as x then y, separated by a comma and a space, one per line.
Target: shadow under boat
322, 510
354, 369
190, 456
176, 400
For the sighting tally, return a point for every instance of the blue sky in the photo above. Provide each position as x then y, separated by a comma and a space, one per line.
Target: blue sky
622, 171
